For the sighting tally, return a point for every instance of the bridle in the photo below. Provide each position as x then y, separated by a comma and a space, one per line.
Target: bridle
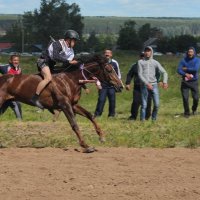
84, 69
93, 76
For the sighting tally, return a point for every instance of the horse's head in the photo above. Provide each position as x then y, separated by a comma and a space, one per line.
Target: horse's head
109, 75
99, 67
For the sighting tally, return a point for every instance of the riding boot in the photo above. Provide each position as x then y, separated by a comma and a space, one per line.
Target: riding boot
35, 101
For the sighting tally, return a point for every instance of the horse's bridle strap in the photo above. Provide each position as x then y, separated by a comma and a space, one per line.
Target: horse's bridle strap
95, 79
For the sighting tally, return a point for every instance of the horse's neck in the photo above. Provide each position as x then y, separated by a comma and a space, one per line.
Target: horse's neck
80, 74
88, 68
69, 77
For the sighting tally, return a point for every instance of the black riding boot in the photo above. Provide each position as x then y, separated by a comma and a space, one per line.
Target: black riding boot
35, 101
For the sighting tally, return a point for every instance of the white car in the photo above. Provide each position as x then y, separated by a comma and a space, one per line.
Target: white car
36, 53
157, 54
26, 54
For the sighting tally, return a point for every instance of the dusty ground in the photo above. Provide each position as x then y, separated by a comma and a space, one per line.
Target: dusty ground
109, 174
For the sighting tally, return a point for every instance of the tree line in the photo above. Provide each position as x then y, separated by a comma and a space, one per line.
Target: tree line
54, 17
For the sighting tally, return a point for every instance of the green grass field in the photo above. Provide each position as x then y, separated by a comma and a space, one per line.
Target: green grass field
170, 130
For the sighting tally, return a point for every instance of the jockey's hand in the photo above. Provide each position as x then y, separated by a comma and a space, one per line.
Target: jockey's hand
73, 62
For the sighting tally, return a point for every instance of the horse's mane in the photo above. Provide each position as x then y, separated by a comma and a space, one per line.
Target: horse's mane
88, 58
82, 59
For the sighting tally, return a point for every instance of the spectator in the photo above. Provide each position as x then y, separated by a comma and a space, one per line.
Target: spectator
188, 69
108, 90
133, 73
12, 68
147, 74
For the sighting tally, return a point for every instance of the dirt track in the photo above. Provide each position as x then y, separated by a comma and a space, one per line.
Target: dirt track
109, 174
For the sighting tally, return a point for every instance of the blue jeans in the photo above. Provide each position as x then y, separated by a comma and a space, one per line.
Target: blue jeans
137, 101
103, 93
155, 96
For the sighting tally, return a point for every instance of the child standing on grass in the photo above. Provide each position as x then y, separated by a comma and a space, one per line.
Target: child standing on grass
12, 68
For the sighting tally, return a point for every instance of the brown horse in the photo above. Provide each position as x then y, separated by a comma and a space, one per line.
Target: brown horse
63, 92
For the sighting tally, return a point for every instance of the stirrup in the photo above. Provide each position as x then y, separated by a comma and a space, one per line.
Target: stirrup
34, 100
39, 105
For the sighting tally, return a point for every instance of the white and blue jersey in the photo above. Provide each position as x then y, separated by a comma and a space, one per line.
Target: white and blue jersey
59, 51
115, 65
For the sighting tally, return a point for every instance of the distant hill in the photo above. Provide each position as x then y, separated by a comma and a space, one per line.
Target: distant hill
169, 26
111, 25
6, 20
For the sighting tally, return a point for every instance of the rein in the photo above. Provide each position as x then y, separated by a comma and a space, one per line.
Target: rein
82, 71
95, 79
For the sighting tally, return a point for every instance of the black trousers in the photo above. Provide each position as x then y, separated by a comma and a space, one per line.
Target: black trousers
15, 106
186, 86
137, 101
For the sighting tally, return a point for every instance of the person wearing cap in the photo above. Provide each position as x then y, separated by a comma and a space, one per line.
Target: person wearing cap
147, 73
108, 90
133, 74
188, 68
60, 51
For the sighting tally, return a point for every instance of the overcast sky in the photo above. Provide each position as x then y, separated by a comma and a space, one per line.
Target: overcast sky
129, 8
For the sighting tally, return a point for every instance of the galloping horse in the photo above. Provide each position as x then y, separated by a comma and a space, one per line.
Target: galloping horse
63, 92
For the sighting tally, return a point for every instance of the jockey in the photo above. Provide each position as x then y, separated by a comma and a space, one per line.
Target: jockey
60, 51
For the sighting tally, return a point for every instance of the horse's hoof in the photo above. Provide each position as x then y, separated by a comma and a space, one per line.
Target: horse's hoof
89, 150
102, 139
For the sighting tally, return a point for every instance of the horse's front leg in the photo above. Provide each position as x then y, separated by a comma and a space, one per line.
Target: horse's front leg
68, 111
82, 111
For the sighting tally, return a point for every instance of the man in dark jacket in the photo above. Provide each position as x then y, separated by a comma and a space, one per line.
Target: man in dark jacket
188, 68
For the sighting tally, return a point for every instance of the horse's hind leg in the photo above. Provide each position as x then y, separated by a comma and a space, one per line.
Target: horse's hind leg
82, 111
67, 109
